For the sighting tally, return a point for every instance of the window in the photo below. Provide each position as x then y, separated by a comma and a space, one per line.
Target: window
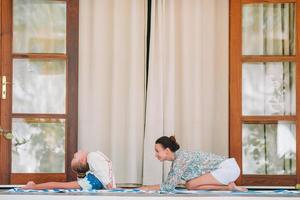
264, 91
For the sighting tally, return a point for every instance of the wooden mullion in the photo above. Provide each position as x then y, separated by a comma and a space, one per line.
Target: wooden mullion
267, 119
40, 55
269, 180
268, 1
269, 59
30, 115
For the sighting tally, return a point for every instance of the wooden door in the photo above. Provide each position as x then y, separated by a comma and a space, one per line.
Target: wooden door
39, 66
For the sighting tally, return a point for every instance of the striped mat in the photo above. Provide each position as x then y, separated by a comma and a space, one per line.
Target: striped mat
177, 191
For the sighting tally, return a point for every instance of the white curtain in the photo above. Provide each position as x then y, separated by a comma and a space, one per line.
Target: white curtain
112, 82
188, 80
184, 90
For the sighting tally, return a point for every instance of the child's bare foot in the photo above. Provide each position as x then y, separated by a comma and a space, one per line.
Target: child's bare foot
233, 187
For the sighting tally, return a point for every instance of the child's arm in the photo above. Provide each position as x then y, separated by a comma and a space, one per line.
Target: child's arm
52, 185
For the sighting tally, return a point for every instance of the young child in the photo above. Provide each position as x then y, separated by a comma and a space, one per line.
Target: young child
94, 171
200, 171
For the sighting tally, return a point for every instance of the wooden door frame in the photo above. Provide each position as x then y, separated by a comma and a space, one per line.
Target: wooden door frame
5, 115
72, 84
235, 94
72, 41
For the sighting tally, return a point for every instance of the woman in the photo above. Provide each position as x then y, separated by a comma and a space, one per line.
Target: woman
94, 171
200, 170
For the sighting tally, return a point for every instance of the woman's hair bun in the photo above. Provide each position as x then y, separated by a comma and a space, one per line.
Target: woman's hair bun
168, 142
173, 139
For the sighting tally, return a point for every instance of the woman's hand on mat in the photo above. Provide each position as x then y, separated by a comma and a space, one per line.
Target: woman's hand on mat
144, 188
150, 187
29, 185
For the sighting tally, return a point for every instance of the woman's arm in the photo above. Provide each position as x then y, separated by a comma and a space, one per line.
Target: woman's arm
150, 187
178, 167
52, 185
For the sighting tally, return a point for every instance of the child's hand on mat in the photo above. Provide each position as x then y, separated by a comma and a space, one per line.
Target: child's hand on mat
109, 186
29, 185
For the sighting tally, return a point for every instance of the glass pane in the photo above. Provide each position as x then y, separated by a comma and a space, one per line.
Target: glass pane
269, 88
269, 29
269, 149
39, 86
36, 143
39, 26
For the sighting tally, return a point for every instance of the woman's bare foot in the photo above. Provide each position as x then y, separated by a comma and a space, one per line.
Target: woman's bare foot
233, 187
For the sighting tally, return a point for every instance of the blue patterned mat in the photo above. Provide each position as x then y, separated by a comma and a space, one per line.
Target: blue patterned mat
177, 191
20, 190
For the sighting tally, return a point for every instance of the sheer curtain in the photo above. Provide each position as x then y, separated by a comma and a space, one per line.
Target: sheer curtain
112, 82
269, 29
184, 94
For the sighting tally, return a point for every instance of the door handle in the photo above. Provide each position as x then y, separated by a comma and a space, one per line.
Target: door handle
4, 84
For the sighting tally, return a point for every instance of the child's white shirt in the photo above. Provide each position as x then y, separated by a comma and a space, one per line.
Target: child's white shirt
101, 166
100, 173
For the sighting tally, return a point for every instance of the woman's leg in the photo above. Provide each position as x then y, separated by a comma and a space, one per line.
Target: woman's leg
205, 182
208, 182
